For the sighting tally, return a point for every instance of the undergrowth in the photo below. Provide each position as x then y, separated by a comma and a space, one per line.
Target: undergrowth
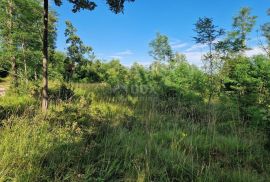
89, 137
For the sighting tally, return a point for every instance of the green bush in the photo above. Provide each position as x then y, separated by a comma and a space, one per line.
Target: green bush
60, 92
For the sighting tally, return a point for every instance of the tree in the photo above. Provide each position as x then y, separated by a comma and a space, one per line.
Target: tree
116, 74
243, 24
266, 33
207, 34
161, 49
247, 81
115, 6
75, 51
138, 75
236, 41
57, 65
20, 35
8, 27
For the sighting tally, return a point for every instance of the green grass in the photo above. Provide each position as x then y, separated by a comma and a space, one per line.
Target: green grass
5, 82
98, 137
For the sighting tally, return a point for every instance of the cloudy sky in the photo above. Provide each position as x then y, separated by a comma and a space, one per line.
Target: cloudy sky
127, 36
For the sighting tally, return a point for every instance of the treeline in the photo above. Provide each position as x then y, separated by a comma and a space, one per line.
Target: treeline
228, 75
27, 37
21, 35
227, 72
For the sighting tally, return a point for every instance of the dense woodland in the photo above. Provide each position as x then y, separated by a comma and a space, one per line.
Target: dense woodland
69, 116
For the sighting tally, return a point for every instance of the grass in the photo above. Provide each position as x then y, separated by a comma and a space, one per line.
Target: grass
100, 137
5, 82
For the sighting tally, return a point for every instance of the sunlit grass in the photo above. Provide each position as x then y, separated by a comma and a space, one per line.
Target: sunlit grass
103, 137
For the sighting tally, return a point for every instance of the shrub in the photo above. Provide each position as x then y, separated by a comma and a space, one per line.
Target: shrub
60, 92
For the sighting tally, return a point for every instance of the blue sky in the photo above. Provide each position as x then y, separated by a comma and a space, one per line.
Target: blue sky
127, 36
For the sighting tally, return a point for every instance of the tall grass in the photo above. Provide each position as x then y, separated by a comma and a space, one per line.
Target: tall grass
103, 137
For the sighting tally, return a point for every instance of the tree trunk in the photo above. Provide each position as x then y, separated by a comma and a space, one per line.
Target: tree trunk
45, 59
14, 72
25, 64
211, 77
11, 47
35, 74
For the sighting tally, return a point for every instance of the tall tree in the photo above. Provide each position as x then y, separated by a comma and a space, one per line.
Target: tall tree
207, 34
243, 24
236, 41
75, 51
161, 49
8, 28
20, 34
115, 6
266, 33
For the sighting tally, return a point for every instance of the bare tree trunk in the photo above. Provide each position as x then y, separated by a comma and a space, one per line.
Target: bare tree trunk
211, 85
45, 59
11, 47
35, 74
14, 72
211, 74
25, 64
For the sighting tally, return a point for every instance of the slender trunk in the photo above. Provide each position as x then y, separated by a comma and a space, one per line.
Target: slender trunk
211, 74
211, 60
11, 47
14, 72
211, 85
35, 74
25, 64
45, 59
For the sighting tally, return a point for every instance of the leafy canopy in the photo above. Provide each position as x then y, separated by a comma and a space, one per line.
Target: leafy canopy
116, 6
161, 49
206, 31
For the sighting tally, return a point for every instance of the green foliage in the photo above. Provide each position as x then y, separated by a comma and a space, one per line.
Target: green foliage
116, 6
76, 51
21, 43
115, 73
60, 92
243, 24
57, 66
207, 34
161, 49
206, 31
140, 123
266, 33
247, 81
112, 140
236, 41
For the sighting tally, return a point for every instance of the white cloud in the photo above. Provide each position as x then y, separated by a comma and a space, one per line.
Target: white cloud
254, 51
121, 55
116, 57
124, 53
194, 57
193, 53
196, 47
178, 44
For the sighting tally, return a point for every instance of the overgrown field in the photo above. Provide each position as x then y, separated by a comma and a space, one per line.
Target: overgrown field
92, 134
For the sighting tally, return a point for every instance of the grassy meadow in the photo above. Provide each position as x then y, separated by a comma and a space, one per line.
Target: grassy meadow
95, 135
192, 104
